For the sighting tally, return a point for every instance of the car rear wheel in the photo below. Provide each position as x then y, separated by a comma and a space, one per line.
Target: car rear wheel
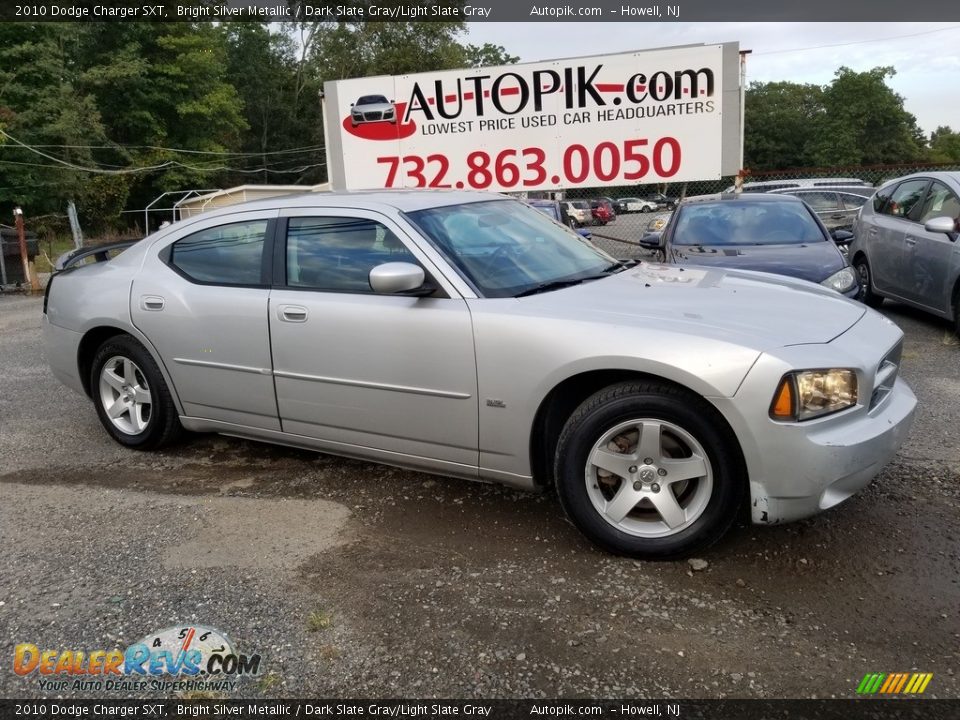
649, 470
132, 400
867, 295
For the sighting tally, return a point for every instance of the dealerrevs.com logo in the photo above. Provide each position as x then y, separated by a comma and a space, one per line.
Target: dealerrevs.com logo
178, 658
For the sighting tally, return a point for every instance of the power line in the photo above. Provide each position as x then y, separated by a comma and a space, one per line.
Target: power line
175, 164
74, 166
858, 42
149, 168
223, 153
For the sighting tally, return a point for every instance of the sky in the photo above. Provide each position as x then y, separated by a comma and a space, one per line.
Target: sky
925, 55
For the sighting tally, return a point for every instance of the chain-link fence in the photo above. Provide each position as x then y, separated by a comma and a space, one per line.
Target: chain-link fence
646, 208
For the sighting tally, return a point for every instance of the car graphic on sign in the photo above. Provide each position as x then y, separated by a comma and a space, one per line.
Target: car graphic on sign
372, 108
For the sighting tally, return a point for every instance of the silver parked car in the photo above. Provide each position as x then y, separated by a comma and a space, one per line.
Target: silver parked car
467, 334
837, 208
905, 246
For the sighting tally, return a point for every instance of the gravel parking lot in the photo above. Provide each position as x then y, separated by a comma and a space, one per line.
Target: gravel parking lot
354, 579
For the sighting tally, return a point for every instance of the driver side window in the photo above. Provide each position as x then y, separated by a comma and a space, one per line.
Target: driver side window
336, 254
940, 202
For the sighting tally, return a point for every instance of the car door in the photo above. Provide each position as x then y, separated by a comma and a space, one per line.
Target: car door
887, 236
380, 376
930, 258
201, 299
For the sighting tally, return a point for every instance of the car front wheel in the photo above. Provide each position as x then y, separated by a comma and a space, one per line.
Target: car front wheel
867, 295
649, 470
132, 400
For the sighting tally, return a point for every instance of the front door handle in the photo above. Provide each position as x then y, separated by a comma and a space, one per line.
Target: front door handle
293, 313
910, 240
151, 302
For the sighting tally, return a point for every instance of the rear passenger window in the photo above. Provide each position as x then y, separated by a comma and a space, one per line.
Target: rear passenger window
336, 254
906, 199
851, 201
820, 201
225, 255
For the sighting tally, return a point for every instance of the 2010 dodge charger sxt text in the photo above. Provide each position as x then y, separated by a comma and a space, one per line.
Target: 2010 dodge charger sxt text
469, 335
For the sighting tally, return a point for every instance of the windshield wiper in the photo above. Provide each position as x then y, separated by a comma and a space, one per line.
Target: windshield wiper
557, 284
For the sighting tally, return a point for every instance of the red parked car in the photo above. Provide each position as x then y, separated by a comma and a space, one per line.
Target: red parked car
602, 211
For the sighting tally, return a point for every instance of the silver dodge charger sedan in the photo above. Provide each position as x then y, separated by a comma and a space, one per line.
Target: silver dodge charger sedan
467, 334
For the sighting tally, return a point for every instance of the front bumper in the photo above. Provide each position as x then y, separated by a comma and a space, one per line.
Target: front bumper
798, 469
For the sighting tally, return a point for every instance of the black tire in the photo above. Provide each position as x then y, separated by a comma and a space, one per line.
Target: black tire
162, 423
654, 401
645, 209
867, 295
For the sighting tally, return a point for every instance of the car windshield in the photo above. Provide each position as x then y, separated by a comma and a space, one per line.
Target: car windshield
746, 222
372, 100
506, 248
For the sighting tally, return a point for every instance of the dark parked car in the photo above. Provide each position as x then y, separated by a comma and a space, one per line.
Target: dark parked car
906, 244
664, 201
602, 211
770, 233
836, 207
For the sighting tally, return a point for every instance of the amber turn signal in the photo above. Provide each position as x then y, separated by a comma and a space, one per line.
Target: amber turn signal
783, 407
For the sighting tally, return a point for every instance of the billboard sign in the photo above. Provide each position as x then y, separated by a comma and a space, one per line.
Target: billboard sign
666, 115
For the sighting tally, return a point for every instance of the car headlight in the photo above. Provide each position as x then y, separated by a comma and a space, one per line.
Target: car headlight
808, 394
841, 281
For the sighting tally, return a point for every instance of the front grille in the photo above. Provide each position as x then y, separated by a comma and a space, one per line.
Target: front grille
372, 116
886, 375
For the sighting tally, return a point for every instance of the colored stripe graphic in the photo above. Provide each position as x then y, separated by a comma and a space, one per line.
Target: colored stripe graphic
894, 683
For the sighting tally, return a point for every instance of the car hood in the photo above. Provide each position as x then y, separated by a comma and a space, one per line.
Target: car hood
811, 261
755, 310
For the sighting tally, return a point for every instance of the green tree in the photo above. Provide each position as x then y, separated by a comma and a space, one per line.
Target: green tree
864, 122
488, 55
43, 104
780, 124
945, 145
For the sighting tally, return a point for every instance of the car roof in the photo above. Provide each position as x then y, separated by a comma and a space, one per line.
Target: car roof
743, 197
861, 190
952, 176
403, 200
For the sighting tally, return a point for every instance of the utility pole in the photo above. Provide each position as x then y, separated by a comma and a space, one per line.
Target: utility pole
28, 272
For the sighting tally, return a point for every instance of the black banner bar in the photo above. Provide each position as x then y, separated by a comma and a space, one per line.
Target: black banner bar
480, 11
865, 709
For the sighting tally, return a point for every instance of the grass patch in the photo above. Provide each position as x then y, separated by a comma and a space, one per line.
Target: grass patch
329, 652
268, 682
50, 250
318, 620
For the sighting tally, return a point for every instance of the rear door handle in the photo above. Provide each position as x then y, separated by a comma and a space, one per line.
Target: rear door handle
292, 313
151, 302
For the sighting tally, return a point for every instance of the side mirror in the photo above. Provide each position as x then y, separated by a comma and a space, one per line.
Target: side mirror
652, 241
351, 104
399, 278
585, 234
841, 237
941, 225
